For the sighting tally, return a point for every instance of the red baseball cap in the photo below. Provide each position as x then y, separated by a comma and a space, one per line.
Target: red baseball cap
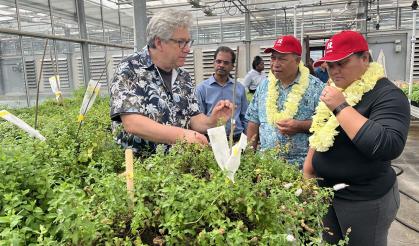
286, 44
342, 45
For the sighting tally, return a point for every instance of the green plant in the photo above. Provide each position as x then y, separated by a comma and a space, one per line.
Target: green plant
68, 191
415, 92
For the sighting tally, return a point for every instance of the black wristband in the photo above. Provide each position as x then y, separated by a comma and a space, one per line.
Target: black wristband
339, 108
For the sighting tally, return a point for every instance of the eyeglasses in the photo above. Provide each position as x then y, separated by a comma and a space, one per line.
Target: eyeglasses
182, 43
225, 63
339, 64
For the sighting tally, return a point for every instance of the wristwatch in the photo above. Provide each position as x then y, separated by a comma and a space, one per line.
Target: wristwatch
340, 107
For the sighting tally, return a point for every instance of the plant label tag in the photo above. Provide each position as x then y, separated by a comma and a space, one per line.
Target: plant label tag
21, 124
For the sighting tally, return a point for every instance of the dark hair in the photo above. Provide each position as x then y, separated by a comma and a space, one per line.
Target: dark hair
228, 50
310, 68
361, 53
256, 61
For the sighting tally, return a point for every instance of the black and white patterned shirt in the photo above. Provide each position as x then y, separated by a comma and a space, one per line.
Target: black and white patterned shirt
137, 88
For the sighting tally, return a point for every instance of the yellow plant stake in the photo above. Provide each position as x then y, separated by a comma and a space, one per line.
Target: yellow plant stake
129, 174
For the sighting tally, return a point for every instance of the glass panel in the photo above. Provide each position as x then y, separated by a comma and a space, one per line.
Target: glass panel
406, 18
65, 18
9, 45
127, 23
127, 36
8, 15
11, 70
233, 29
93, 21
111, 22
35, 18
263, 28
33, 49
98, 62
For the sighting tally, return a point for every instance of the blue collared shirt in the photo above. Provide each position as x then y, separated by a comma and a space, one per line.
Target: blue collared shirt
209, 92
322, 75
269, 135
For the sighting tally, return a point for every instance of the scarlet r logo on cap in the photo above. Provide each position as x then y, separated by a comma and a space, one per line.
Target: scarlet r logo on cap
329, 46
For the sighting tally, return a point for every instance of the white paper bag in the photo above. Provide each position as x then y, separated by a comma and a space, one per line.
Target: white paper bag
219, 145
233, 162
228, 161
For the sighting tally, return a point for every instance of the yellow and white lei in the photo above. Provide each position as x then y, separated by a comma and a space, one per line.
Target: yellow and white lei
325, 123
293, 99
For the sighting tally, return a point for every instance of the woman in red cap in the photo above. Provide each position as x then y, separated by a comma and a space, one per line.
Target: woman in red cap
360, 125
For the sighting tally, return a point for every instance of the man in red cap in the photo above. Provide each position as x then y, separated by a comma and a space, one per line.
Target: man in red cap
357, 130
281, 110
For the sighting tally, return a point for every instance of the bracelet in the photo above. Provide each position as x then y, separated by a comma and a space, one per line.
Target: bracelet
340, 107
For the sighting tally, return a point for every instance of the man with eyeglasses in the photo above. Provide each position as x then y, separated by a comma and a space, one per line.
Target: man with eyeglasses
287, 89
219, 87
152, 98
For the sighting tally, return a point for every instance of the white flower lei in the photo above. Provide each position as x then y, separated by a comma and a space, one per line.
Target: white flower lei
325, 123
293, 98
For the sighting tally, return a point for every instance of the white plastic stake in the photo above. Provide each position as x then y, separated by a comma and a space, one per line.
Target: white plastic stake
21, 124
340, 186
381, 59
55, 84
89, 98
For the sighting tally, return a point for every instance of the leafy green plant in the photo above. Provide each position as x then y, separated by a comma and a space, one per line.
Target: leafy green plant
69, 191
415, 92
195, 202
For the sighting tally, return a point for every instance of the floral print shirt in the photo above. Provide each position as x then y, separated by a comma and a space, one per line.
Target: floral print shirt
293, 149
137, 88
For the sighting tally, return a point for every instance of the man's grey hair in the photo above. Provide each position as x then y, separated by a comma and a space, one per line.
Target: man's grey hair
165, 22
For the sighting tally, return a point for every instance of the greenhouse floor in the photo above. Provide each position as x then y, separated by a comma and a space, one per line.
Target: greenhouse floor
399, 234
